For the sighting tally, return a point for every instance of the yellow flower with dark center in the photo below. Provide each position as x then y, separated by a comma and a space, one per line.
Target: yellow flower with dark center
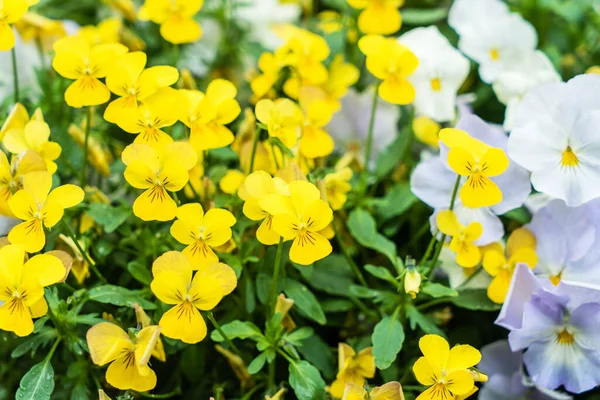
175, 17
337, 186
22, 287
39, 207
468, 254
128, 357
173, 284
77, 60
353, 368
157, 170
202, 232
378, 16
11, 175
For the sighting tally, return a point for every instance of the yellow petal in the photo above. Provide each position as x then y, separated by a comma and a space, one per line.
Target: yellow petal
462, 357
303, 194
181, 153
36, 134
266, 234
173, 261
493, 262
436, 392
52, 213
253, 211
499, 286
181, 30
218, 217
46, 269
38, 184
170, 287
383, 20
259, 184
17, 119
473, 232
15, 142
480, 191
389, 391
139, 175
68, 64
183, 322
87, 91
155, 204
7, 37
66, 196
221, 273
524, 255
461, 161
146, 340
286, 225
425, 373
309, 247
174, 176
494, 162
315, 143
206, 292
317, 216
15, 317
397, 90
220, 90
11, 267
276, 204
106, 342
460, 381
519, 238
30, 234
192, 213
345, 352
184, 231
211, 136
264, 110
447, 223
365, 363
200, 254
468, 255
23, 205
436, 351
124, 374
39, 308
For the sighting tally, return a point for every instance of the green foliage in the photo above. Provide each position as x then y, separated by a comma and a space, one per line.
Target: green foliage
387, 338
306, 381
37, 383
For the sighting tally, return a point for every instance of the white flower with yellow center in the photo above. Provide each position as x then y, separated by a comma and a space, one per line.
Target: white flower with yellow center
442, 70
556, 138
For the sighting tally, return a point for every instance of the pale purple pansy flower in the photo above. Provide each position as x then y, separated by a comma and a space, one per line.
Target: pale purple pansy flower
433, 181
557, 327
507, 381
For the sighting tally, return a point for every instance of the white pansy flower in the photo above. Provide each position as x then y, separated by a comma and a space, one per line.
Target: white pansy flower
513, 83
442, 70
496, 41
350, 125
556, 138
464, 15
260, 17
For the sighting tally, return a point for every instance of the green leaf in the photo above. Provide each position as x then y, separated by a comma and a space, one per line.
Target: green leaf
316, 351
397, 201
382, 273
306, 381
363, 228
257, 364
362, 292
237, 330
33, 342
118, 296
37, 383
297, 336
387, 338
332, 275
140, 272
416, 318
304, 300
86, 319
425, 16
108, 216
475, 299
336, 305
521, 215
389, 158
437, 290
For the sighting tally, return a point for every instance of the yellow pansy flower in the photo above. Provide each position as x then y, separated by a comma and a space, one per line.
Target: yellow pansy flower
476, 160
341, 76
18, 118
128, 358
157, 170
144, 320
202, 232
22, 287
173, 285
283, 119
520, 248
391, 62
353, 368
175, 17
389, 391
133, 84
147, 120
11, 175
378, 16
124, 7
34, 136
337, 186
207, 114
426, 130
468, 254
11, 11
232, 181
445, 371
300, 217
37, 206
270, 65
106, 32
256, 186
315, 141
77, 60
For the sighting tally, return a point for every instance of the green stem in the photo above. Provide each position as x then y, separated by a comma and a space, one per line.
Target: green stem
438, 250
52, 350
174, 392
274, 155
275, 281
212, 319
85, 256
369, 144
40, 48
88, 127
271, 381
254, 147
286, 356
433, 302
429, 247
13, 54
351, 262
